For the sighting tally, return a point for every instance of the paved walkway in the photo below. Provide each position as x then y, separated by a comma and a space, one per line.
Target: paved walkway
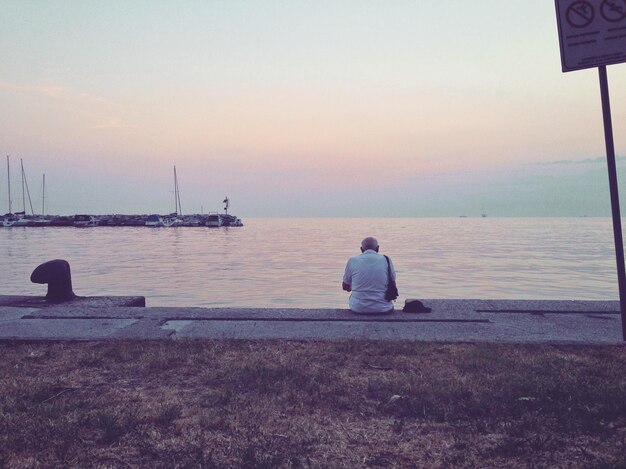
522, 321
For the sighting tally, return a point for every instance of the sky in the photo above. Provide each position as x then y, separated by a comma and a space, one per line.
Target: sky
301, 108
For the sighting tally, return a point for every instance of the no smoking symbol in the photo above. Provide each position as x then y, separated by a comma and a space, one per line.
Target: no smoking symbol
613, 10
580, 14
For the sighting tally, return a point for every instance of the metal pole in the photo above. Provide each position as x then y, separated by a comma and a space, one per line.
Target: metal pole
617, 222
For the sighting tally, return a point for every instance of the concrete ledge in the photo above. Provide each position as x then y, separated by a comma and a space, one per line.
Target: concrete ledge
22, 301
442, 310
524, 321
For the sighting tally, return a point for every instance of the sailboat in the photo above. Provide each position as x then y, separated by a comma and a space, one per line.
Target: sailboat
176, 217
156, 221
21, 218
24, 220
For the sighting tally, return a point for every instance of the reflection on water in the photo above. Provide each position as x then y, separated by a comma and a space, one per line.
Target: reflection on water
300, 262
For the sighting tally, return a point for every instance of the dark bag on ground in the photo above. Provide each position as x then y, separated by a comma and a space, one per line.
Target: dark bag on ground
415, 306
392, 290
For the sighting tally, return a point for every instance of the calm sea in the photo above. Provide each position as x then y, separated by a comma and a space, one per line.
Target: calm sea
300, 262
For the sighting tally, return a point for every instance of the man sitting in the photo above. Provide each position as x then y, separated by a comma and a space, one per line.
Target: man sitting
366, 278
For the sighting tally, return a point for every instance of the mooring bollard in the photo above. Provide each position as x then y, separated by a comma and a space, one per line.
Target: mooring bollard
56, 274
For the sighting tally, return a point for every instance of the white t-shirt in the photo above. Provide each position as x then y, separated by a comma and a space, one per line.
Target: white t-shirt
367, 274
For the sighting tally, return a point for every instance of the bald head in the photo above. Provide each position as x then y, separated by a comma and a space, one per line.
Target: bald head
369, 243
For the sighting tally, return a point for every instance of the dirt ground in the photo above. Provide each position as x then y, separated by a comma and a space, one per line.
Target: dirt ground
310, 404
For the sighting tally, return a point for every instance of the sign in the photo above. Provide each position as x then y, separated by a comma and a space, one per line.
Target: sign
591, 33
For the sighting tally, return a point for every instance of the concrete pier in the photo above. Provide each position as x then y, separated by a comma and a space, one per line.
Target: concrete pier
516, 321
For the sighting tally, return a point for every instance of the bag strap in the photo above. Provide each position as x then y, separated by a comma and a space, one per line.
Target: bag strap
388, 270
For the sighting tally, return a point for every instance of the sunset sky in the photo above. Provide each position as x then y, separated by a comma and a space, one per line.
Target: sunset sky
301, 108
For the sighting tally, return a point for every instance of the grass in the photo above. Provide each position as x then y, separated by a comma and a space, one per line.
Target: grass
307, 404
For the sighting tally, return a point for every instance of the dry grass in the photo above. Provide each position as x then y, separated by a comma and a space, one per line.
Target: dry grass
306, 404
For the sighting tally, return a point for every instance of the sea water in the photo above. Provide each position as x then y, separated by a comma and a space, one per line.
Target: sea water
292, 262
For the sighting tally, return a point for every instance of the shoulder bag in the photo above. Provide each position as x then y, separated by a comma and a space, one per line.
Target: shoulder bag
392, 290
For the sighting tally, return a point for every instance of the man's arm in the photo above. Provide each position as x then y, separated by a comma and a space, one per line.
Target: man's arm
346, 284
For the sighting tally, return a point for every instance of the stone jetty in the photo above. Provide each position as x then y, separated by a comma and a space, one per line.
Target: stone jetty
110, 220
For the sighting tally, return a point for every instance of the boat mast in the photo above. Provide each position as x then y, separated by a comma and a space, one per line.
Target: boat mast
9, 180
178, 208
25, 183
23, 197
43, 196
